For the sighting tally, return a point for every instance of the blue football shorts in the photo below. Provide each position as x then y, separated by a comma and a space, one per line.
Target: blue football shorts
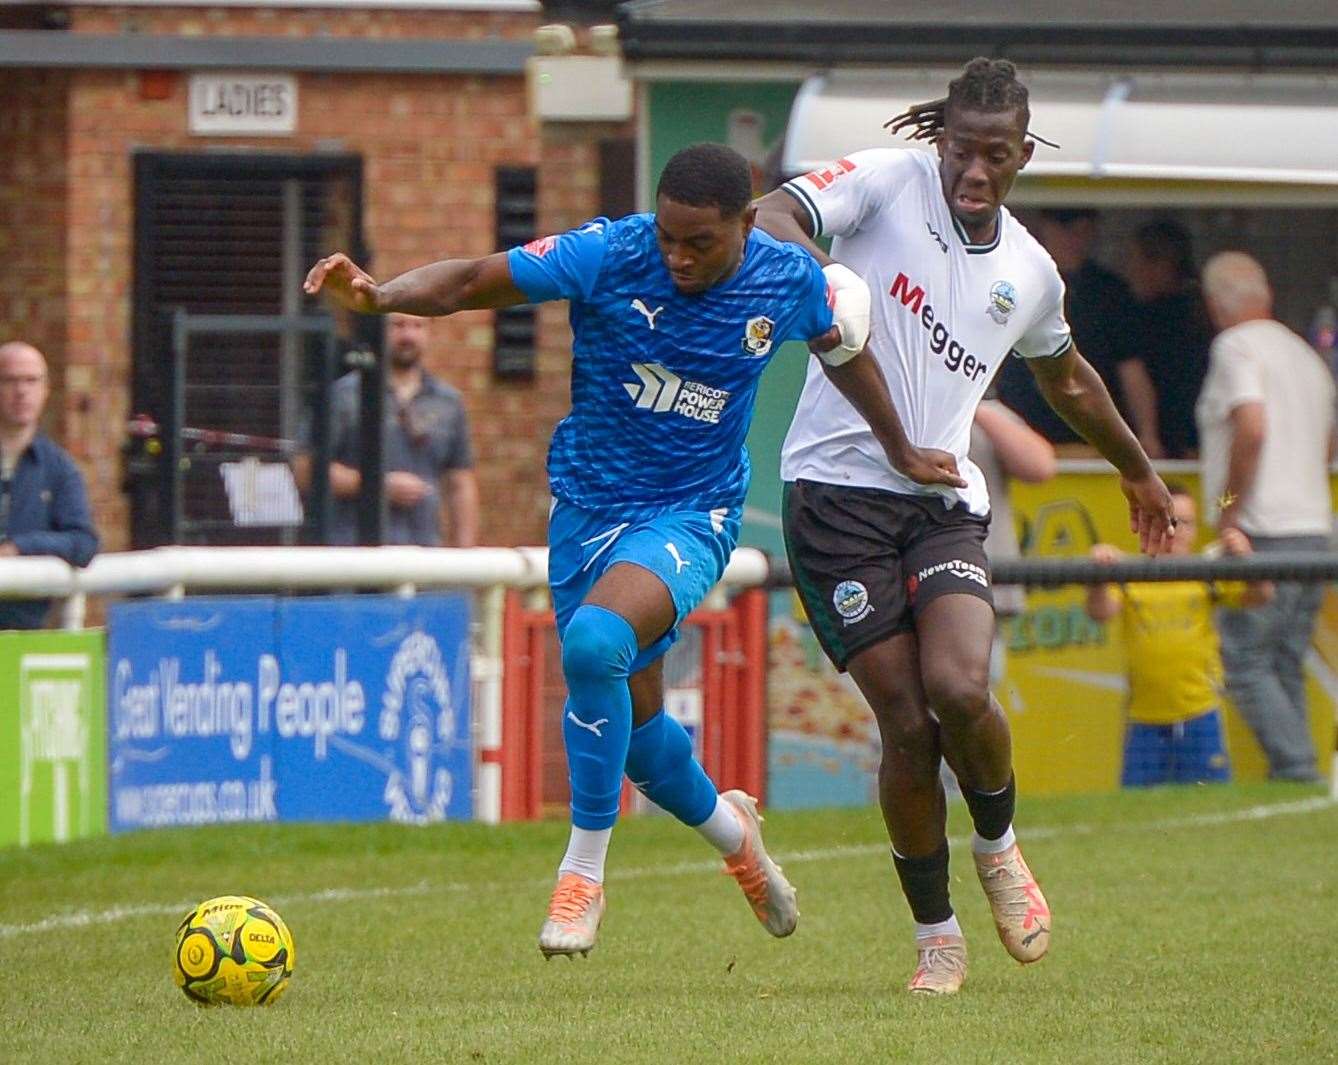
686, 549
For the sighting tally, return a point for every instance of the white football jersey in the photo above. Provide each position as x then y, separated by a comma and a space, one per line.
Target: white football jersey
946, 313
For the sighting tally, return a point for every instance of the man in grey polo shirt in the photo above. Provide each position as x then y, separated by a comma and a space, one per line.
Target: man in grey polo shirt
1266, 422
431, 492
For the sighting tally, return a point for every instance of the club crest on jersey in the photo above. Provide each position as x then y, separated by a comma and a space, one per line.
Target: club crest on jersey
1003, 301
757, 335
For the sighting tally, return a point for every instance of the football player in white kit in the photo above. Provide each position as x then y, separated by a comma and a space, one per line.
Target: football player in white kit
892, 573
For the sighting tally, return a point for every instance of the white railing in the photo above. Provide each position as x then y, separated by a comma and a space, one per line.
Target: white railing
175, 571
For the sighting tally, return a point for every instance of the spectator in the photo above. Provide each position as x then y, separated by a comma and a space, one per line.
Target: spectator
429, 462
1174, 730
1098, 306
1168, 350
1266, 416
43, 505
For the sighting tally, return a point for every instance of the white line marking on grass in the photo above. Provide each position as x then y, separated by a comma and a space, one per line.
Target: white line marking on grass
859, 850
88, 918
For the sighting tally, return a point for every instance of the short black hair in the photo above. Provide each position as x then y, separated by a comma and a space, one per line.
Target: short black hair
708, 175
1175, 488
1167, 241
989, 85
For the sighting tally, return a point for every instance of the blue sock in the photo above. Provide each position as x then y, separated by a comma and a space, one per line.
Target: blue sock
660, 764
597, 652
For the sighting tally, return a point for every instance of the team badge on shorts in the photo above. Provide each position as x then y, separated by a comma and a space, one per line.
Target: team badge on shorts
851, 600
1003, 301
757, 335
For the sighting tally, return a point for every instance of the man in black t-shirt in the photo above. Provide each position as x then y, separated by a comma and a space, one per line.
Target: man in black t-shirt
1169, 341
1099, 310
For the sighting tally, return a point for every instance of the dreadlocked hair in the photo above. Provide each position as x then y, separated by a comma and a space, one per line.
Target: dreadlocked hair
989, 85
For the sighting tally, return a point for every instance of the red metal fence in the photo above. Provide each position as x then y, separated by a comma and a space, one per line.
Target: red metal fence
718, 664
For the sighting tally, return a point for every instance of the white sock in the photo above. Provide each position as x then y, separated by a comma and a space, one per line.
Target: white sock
981, 845
586, 851
723, 829
950, 927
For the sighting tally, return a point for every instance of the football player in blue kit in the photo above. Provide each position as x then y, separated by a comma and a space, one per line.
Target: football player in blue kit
674, 316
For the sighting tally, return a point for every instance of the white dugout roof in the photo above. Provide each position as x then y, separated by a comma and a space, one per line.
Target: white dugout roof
1227, 127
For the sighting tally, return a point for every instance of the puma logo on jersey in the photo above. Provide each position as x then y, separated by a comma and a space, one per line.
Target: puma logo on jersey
679, 560
955, 357
663, 390
646, 312
942, 244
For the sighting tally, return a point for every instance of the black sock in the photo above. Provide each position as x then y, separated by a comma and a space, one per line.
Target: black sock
992, 814
925, 884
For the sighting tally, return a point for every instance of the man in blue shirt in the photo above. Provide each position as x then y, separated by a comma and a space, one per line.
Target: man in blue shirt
43, 506
674, 315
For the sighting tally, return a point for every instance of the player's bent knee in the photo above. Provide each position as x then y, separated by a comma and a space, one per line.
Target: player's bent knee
959, 696
598, 643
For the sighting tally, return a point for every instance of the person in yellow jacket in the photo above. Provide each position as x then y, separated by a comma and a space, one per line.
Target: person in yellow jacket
1174, 732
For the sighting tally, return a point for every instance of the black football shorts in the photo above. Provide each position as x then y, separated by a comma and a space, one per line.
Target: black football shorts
866, 561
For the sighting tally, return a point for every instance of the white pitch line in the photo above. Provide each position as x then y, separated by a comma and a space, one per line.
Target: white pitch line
859, 850
88, 918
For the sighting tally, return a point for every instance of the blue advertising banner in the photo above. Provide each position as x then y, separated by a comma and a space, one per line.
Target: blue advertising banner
371, 708
263, 709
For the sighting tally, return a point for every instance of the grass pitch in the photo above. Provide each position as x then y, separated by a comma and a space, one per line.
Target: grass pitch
1191, 925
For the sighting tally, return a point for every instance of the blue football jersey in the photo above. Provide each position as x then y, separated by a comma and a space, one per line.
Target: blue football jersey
663, 382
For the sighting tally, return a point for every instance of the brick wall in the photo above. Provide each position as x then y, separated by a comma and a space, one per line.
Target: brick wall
263, 21
33, 218
429, 146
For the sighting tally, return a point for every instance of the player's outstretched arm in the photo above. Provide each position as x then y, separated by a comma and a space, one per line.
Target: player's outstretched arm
431, 291
1079, 396
782, 216
861, 381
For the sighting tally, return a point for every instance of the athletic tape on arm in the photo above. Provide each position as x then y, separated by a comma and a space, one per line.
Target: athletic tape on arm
850, 312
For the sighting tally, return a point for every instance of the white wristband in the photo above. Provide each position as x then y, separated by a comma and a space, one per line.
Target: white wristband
851, 303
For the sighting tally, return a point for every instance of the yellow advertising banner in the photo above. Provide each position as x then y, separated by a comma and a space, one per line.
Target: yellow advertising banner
1063, 684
